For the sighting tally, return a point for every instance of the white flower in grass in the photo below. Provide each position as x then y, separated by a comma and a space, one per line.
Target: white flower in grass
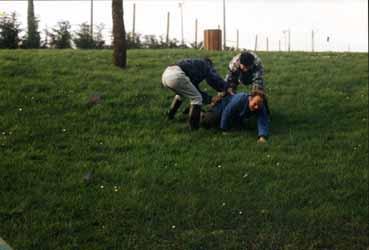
173, 226
278, 164
101, 143
20, 109
64, 130
102, 186
223, 204
245, 175
219, 166
240, 212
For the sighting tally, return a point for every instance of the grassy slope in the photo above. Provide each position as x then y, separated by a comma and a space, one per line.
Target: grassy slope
306, 189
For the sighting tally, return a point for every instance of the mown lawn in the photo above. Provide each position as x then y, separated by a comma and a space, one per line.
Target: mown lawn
154, 184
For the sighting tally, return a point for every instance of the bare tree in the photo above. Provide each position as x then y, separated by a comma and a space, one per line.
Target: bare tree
119, 35
33, 36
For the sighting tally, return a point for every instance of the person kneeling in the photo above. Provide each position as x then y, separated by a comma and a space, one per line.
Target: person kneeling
233, 110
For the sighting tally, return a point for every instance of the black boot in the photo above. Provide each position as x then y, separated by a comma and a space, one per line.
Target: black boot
176, 103
194, 120
186, 111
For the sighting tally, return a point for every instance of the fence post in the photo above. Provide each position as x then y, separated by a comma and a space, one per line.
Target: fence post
134, 20
256, 42
196, 27
312, 41
168, 25
92, 19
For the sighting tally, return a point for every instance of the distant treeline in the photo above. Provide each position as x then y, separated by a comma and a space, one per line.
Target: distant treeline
62, 37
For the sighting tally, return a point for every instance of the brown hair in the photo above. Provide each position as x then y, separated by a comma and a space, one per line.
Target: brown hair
258, 92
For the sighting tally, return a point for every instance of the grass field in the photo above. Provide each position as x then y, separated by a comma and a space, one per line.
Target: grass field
154, 184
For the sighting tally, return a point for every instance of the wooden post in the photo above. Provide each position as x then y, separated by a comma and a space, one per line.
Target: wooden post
213, 39
312, 41
256, 42
168, 25
238, 40
134, 20
92, 19
196, 26
182, 34
46, 36
224, 26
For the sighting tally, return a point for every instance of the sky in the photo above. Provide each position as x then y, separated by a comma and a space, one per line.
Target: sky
345, 22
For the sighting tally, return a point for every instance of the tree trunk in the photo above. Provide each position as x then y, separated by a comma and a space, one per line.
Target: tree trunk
119, 35
33, 39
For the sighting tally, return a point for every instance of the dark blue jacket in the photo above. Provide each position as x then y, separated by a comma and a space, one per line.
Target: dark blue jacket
198, 70
233, 110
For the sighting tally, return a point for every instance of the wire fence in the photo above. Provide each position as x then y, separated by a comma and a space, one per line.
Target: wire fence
151, 18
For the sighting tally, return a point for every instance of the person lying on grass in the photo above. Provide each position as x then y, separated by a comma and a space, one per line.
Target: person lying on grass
234, 110
248, 69
184, 78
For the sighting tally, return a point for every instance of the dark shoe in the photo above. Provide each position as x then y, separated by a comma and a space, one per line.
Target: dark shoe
194, 120
210, 119
173, 108
186, 111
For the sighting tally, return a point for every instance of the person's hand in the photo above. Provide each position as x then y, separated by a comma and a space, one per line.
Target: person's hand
262, 140
215, 100
230, 91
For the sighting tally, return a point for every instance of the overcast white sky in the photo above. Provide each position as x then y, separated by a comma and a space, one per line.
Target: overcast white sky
344, 21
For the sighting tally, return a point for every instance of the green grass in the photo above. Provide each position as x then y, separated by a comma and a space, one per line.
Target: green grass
306, 189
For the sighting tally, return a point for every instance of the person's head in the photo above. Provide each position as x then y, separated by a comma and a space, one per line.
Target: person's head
256, 100
246, 61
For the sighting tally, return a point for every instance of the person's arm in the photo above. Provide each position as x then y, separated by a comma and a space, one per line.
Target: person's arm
263, 123
206, 98
233, 76
258, 78
231, 110
215, 81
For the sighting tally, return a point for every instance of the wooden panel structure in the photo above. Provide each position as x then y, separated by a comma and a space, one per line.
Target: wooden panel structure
213, 39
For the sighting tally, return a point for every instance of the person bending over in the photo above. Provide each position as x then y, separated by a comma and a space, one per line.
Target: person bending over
184, 78
248, 69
